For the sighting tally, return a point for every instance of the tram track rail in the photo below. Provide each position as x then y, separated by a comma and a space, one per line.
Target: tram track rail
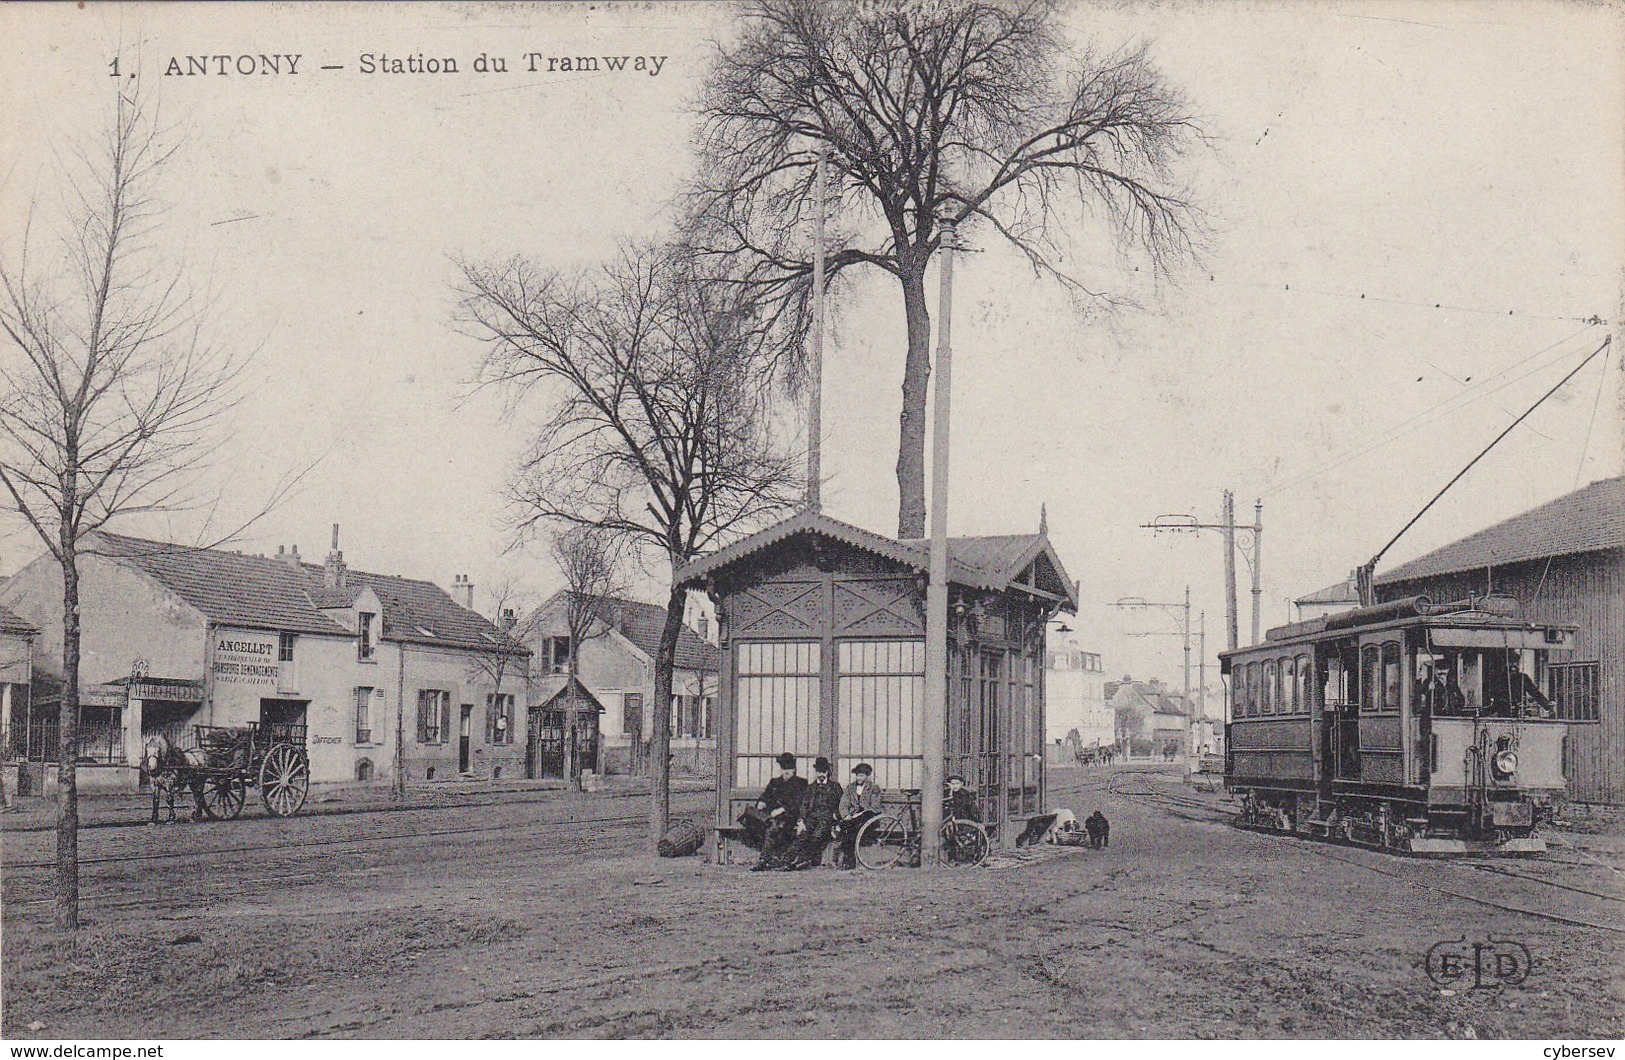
1329, 851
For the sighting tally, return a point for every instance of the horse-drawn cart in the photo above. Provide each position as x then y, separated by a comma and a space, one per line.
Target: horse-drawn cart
224, 762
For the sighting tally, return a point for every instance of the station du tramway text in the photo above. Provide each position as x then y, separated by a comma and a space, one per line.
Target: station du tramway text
286, 64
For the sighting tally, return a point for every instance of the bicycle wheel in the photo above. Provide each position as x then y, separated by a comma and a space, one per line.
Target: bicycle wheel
964, 844
881, 842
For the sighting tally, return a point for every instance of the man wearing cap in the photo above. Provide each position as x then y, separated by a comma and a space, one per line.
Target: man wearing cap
960, 804
781, 801
817, 821
859, 804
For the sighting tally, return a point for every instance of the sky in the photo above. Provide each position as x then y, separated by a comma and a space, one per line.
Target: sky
1415, 227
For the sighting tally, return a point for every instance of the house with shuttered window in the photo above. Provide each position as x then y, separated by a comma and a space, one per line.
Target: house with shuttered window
1564, 562
616, 666
376, 668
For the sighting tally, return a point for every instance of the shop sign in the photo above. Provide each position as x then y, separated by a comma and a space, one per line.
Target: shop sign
245, 659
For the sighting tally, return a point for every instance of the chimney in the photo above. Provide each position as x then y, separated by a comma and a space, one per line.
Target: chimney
333, 575
289, 556
462, 591
705, 627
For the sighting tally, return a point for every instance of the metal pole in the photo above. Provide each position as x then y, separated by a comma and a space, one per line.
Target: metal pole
1230, 569
1201, 672
1185, 630
815, 391
936, 593
1258, 564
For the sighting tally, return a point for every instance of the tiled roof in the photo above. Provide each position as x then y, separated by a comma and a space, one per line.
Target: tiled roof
15, 624
545, 690
1586, 520
643, 623
259, 592
982, 562
1344, 592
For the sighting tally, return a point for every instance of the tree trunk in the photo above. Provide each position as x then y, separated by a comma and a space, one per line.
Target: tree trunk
660, 738
67, 789
916, 380
572, 757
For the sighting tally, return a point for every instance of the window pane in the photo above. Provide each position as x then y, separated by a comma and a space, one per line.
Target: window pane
776, 706
1391, 673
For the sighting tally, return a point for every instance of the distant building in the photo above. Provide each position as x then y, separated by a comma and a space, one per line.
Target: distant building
16, 675
1564, 562
1343, 596
617, 665
1150, 718
175, 636
1075, 712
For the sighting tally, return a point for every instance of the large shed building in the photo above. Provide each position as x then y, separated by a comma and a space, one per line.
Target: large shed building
1564, 562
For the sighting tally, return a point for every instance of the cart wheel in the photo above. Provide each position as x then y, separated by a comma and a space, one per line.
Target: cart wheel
964, 845
220, 798
284, 780
881, 842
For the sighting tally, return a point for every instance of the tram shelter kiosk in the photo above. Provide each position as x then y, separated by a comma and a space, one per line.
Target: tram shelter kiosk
822, 631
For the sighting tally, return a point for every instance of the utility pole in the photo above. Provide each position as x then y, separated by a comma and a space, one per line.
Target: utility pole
815, 391
1181, 614
1258, 563
1229, 526
936, 591
1189, 707
1201, 675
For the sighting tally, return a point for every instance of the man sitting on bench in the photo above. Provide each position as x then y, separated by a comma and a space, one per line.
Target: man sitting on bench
781, 802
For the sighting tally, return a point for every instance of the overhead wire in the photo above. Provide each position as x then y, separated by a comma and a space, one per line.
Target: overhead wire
1449, 406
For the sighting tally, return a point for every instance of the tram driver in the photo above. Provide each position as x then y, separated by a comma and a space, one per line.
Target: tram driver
1436, 686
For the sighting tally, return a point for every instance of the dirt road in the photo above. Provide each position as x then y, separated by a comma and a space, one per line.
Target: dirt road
540, 918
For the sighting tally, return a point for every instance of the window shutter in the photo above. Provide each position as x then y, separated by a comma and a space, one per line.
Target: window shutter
445, 716
490, 719
423, 718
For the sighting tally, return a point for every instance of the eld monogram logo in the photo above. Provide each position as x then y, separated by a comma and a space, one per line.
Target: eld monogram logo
1487, 965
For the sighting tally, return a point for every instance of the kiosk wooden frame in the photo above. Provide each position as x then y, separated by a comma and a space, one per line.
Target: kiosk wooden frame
822, 630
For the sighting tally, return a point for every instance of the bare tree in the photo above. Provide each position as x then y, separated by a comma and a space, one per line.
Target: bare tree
110, 395
657, 424
973, 111
593, 562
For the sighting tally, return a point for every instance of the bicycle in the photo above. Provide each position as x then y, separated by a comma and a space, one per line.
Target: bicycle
888, 839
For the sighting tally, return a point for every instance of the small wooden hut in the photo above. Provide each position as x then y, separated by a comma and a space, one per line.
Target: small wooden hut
822, 629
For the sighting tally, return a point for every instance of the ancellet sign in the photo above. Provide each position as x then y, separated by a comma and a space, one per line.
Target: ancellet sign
245, 658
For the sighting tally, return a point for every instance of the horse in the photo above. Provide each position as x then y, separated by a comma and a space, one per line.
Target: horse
161, 760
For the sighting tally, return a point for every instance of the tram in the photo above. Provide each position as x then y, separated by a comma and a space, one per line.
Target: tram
1410, 725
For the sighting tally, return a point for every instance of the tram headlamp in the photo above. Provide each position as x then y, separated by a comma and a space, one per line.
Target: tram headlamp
1505, 763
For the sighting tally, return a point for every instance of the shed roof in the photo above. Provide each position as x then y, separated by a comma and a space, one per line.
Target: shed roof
990, 562
13, 623
547, 689
1343, 592
260, 592
1587, 520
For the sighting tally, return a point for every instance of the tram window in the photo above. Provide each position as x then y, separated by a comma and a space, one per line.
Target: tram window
1392, 675
1300, 684
1289, 689
1370, 660
1472, 681
1238, 690
1252, 689
1268, 703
